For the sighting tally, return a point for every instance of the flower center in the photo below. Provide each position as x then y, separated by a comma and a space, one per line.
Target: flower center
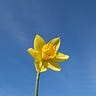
48, 51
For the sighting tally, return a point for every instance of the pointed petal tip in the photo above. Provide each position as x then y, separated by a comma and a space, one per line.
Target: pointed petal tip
37, 35
67, 56
58, 70
55, 39
29, 49
58, 38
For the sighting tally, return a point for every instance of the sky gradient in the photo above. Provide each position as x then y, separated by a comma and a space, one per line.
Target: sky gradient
74, 21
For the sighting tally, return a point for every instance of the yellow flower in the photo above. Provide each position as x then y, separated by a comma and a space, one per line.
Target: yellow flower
46, 55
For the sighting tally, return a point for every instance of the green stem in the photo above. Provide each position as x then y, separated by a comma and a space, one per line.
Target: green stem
37, 84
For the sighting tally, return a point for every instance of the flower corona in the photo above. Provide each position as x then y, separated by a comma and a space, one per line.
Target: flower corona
48, 51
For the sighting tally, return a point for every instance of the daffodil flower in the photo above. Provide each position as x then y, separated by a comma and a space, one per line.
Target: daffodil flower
46, 55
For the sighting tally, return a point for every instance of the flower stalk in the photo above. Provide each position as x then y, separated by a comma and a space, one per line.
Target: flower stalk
37, 84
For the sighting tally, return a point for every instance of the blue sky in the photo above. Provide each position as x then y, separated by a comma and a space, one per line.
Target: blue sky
74, 21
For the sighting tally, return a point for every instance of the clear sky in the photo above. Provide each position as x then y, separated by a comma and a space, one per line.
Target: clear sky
74, 21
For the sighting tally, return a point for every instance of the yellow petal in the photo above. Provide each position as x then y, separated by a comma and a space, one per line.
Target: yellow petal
55, 42
34, 53
52, 65
40, 67
61, 57
38, 43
